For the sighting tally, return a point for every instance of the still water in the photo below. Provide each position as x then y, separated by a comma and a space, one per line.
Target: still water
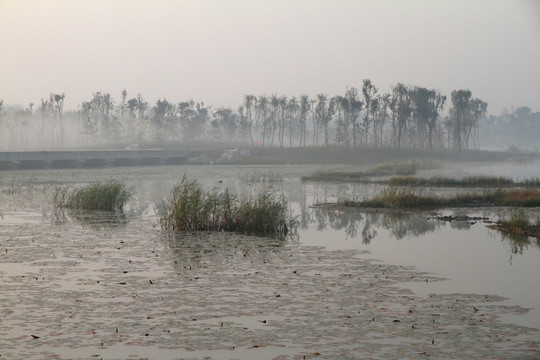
448, 257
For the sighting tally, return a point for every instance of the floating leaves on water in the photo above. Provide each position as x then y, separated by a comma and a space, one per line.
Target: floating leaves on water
243, 296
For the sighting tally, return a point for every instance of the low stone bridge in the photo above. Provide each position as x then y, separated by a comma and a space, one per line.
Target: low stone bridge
10, 160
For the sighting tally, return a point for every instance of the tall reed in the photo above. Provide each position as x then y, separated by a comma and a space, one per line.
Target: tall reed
190, 208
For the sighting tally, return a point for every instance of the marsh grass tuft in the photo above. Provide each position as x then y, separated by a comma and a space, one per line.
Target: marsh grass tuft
108, 196
190, 208
384, 169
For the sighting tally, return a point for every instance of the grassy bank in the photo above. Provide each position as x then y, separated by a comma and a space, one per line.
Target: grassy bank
403, 198
108, 196
401, 169
190, 208
383, 169
468, 181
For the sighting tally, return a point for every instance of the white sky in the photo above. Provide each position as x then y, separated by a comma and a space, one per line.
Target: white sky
218, 51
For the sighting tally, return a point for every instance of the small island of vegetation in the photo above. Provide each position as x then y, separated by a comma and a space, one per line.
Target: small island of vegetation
404, 198
518, 223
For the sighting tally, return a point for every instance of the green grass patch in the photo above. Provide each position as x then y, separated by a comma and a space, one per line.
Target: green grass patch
109, 196
405, 198
190, 208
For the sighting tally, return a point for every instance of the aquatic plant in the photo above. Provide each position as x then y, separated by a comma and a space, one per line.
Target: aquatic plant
108, 196
190, 208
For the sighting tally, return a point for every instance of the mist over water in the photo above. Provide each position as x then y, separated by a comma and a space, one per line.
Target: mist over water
250, 97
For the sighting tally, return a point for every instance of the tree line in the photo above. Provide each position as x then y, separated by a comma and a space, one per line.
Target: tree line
405, 117
516, 129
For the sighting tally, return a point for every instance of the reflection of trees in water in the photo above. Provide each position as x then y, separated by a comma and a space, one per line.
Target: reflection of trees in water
195, 249
518, 243
350, 221
460, 225
368, 231
403, 225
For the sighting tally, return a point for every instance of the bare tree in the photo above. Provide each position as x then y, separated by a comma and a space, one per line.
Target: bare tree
477, 110
56, 106
262, 116
305, 107
369, 92
458, 115
354, 109
342, 120
273, 117
403, 109
123, 104
324, 110
44, 112
383, 102
249, 105
293, 109
438, 101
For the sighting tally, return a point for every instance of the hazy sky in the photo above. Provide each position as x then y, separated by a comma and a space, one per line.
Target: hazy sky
218, 51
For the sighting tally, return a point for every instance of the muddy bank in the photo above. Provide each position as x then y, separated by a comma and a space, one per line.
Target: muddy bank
70, 290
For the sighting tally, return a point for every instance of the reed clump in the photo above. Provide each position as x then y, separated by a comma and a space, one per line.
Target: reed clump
108, 196
521, 197
518, 223
190, 208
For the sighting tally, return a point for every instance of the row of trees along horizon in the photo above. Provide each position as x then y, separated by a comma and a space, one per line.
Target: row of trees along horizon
406, 117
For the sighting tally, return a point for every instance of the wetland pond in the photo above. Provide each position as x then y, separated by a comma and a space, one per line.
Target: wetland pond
83, 285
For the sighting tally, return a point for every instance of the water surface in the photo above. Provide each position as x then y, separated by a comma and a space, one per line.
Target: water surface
381, 285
